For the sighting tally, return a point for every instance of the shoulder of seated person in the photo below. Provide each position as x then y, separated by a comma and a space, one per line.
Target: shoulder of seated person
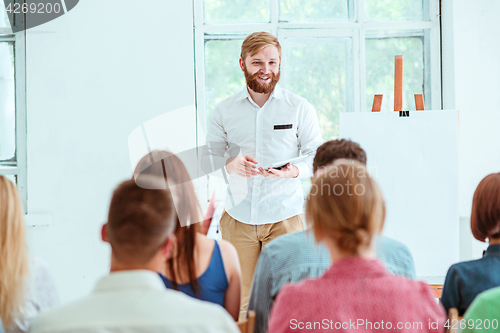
286, 239
300, 289
224, 244
38, 263
226, 247
393, 243
39, 269
204, 240
410, 286
66, 317
194, 303
280, 247
468, 265
205, 312
489, 297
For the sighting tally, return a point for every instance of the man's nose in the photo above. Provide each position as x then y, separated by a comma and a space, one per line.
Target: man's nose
265, 68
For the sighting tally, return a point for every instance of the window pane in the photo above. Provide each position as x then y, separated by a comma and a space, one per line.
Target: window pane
314, 11
223, 76
7, 102
317, 69
236, 11
12, 178
396, 10
380, 55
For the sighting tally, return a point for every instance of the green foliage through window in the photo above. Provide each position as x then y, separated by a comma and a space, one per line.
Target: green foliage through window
317, 72
236, 11
380, 54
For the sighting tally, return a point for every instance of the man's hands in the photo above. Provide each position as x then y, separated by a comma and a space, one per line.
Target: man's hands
244, 166
289, 171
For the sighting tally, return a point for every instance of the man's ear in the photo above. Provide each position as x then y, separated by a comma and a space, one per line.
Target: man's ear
104, 235
168, 246
312, 179
242, 65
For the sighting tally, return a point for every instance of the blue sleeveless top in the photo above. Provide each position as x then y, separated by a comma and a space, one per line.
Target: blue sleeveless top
212, 283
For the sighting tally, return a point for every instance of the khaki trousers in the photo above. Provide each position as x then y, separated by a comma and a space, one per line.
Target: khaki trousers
249, 240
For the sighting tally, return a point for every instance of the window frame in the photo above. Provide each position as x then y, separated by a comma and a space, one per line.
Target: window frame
357, 29
19, 167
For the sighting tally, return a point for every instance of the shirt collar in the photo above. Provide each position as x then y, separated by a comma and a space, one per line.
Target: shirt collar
133, 279
356, 267
276, 93
493, 250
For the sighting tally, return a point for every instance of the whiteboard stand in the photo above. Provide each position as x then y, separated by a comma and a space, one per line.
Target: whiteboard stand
398, 91
425, 155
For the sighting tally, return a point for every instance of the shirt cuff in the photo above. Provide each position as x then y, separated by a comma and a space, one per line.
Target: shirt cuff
304, 171
225, 168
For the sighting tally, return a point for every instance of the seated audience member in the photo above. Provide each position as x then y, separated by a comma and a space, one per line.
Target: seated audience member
346, 209
294, 257
465, 280
484, 312
199, 267
26, 285
133, 298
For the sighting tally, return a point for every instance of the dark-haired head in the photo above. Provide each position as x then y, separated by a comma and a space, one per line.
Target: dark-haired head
332, 150
140, 220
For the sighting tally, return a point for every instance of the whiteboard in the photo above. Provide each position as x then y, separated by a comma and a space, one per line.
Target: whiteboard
415, 162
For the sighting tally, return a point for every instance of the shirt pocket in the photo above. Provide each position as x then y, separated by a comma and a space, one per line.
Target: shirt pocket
283, 127
284, 134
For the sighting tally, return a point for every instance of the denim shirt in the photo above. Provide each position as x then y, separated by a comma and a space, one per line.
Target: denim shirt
465, 280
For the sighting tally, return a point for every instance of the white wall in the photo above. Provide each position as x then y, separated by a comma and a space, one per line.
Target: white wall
471, 82
104, 68
93, 76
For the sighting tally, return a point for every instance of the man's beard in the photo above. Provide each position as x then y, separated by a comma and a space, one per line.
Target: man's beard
253, 83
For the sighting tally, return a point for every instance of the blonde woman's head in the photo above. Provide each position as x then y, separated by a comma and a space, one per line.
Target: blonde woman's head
345, 207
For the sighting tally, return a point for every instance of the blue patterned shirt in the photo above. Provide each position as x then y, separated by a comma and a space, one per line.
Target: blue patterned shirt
295, 257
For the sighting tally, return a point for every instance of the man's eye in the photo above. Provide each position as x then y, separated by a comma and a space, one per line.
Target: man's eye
256, 63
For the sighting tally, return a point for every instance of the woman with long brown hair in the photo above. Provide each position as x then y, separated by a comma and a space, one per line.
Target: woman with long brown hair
26, 286
200, 267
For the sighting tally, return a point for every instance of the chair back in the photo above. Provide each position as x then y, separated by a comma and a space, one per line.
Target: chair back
247, 325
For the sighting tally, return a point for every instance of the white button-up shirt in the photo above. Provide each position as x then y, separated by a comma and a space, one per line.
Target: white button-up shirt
41, 294
284, 127
135, 301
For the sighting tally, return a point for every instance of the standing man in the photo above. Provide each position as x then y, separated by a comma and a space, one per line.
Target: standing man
269, 125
